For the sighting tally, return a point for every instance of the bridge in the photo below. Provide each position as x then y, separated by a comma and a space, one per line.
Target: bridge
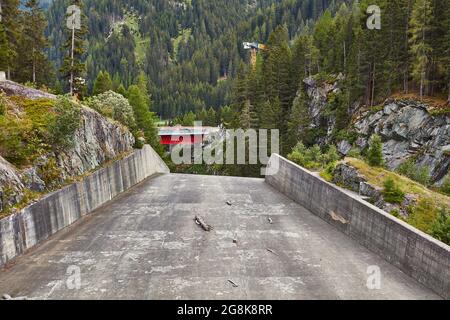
145, 244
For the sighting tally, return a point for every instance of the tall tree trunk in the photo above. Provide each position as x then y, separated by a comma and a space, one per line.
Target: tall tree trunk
72, 63
373, 86
406, 71
34, 65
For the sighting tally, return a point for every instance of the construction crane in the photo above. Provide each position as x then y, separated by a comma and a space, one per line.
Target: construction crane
254, 48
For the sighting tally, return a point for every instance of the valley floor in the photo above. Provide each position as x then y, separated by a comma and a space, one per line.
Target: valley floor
146, 245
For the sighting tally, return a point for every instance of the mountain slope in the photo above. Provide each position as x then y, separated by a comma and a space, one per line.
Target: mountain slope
189, 49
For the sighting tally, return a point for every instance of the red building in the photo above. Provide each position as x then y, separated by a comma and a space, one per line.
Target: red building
170, 136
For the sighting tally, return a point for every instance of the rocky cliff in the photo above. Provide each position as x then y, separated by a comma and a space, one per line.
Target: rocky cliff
96, 141
407, 128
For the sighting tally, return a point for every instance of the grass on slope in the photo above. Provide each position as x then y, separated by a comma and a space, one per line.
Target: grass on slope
430, 205
377, 177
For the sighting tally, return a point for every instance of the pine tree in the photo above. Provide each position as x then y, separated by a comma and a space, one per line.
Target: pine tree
420, 49
74, 67
121, 90
211, 117
32, 63
103, 83
375, 152
9, 40
145, 119
298, 127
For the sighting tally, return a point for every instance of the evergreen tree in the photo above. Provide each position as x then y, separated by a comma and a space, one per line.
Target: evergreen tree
375, 152
103, 83
145, 119
74, 67
121, 90
9, 34
299, 121
420, 48
32, 63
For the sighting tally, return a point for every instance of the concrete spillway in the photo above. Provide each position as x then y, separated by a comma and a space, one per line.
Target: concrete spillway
146, 245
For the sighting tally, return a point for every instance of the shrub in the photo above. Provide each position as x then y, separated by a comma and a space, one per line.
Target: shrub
313, 158
375, 152
115, 106
50, 173
392, 192
2, 108
396, 213
440, 229
415, 172
354, 153
66, 122
328, 172
445, 188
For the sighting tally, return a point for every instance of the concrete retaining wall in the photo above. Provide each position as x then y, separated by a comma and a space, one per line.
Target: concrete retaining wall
414, 252
60, 209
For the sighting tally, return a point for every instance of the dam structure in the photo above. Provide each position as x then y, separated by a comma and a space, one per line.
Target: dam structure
129, 232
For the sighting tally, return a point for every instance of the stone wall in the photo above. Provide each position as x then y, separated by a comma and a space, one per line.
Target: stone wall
412, 251
60, 209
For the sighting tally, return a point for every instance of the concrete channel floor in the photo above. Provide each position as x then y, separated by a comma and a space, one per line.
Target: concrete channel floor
146, 245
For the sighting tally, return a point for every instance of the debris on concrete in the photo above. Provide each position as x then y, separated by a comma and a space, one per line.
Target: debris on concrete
271, 251
270, 220
233, 283
229, 203
199, 221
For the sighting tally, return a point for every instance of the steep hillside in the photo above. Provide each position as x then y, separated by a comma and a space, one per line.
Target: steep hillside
46, 141
410, 130
189, 49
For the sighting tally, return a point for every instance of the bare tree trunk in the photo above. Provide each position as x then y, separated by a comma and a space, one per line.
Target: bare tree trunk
72, 63
34, 66
345, 56
373, 85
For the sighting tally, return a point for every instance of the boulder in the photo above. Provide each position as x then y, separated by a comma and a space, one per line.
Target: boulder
344, 147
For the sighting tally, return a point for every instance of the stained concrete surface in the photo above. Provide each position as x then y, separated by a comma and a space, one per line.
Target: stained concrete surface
146, 245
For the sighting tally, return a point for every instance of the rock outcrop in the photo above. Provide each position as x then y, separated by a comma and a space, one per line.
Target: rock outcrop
348, 177
96, 141
11, 185
409, 130
11, 88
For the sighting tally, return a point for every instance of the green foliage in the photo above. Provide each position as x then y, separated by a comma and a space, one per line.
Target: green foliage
313, 158
67, 121
440, 229
145, 119
375, 154
114, 106
445, 188
50, 173
103, 83
24, 138
392, 192
396, 213
417, 173
423, 215
328, 172
354, 153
